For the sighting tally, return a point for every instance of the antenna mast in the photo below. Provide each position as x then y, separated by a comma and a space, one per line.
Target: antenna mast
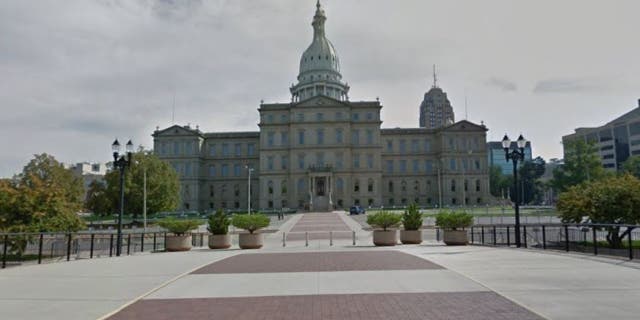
435, 77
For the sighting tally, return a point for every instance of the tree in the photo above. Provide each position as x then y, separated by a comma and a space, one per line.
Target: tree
97, 200
528, 177
632, 166
581, 163
162, 185
612, 200
499, 183
44, 197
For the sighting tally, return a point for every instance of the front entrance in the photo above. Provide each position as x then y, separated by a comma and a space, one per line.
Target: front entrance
320, 193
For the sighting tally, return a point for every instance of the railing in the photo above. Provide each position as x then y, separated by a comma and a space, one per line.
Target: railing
583, 238
19, 248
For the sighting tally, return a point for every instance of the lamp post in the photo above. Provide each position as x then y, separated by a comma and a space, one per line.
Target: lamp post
121, 162
515, 155
249, 170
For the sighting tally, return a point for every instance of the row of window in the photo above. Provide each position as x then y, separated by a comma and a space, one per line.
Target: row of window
228, 170
358, 161
319, 116
428, 165
304, 135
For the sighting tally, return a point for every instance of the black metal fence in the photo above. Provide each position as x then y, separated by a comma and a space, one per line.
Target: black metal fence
584, 238
21, 248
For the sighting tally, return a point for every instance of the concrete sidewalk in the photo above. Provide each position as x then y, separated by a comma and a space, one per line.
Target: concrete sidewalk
522, 283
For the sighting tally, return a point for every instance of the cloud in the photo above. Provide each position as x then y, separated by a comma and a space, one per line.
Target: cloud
566, 86
502, 84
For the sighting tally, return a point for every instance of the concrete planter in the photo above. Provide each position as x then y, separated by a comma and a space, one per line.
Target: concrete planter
455, 237
385, 238
177, 243
219, 241
251, 241
411, 236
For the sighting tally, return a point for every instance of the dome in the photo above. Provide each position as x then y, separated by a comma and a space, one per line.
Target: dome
319, 66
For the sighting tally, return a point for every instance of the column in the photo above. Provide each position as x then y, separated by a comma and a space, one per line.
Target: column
330, 190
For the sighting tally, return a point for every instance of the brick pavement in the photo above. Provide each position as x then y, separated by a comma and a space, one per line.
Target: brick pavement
318, 226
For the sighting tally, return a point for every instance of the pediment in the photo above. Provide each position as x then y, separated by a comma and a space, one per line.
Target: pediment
465, 125
177, 130
320, 101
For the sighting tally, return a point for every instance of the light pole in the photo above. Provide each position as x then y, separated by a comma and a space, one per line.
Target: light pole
249, 170
121, 162
515, 155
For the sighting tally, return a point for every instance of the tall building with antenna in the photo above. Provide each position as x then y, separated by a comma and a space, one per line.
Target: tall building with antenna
435, 109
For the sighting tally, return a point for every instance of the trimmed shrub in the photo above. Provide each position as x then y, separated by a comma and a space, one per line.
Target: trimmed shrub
219, 223
250, 222
412, 218
451, 220
384, 220
178, 227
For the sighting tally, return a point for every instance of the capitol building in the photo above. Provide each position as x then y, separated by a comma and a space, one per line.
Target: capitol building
321, 151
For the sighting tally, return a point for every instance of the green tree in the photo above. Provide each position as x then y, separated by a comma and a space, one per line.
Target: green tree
163, 186
612, 200
528, 177
581, 163
499, 183
97, 200
44, 197
632, 166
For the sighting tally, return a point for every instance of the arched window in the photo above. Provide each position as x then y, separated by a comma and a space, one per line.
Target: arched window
370, 185
270, 187
453, 185
356, 186
283, 187
478, 185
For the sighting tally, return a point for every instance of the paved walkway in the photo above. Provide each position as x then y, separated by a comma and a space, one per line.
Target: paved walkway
428, 281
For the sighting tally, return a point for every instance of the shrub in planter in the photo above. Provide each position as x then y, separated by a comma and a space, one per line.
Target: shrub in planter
219, 229
454, 224
384, 220
251, 223
412, 222
181, 239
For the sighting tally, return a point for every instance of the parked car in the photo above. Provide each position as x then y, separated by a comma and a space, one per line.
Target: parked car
356, 210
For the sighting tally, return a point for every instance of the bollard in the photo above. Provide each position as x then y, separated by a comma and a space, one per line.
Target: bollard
495, 238
330, 238
40, 248
284, 244
353, 233
544, 237
595, 241
142, 242
111, 246
129, 244
306, 239
93, 237
69, 247
154, 242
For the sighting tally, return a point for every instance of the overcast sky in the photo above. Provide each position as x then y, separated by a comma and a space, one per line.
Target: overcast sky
75, 74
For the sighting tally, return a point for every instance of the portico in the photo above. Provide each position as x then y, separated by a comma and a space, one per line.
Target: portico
320, 189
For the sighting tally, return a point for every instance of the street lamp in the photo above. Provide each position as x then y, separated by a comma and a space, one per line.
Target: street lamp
515, 155
249, 170
121, 162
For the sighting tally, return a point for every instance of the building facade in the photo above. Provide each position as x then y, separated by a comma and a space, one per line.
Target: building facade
616, 140
497, 157
322, 151
89, 172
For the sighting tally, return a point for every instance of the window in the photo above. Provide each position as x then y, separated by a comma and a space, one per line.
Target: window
339, 116
403, 186
301, 185
356, 161
251, 149
212, 171
340, 185
187, 169
477, 185
176, 148
284, 138
319, 117
237, 171
284, 162
225, 170
188, 147
283, 187
466, 185
270, 187
283, 118
212, 149
270, 118
211, 191
453, 185
389, 145
163, 148
370, 161
477, 164
270, 139
300, 117
320, 136
390, 186
452, 164
452, 145
320, 159
369, 136
403, 166
389, 166
236, 190
355, 137
634, 128
355, 117
416, 166
403, 146
238, 149
339, 136
356, 186
369, 116
370, 185
301, 161
270, 163
225, 149
415, 146
339, 160
416, 187
427, 145
301, 137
